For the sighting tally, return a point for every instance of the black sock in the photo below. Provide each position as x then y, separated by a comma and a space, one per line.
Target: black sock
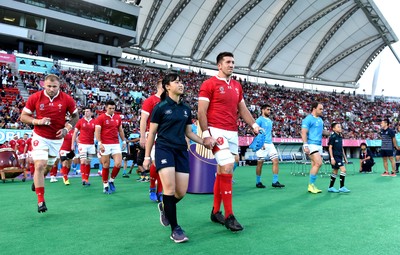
170, 210
177, 199
342, 177
333, 179
397, 166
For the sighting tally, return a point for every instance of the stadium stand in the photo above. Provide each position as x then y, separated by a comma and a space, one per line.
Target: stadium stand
135, 83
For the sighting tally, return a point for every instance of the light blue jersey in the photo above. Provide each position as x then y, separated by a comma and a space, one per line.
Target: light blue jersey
315, 126
398, 138
133, 136
194, 130
266, 124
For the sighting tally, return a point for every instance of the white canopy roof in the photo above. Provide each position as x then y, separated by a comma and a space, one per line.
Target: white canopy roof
315, 41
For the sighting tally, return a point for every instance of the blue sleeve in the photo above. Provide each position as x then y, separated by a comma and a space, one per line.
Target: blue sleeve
305, 123
259, 122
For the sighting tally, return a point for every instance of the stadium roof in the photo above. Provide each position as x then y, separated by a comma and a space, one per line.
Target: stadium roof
323, 42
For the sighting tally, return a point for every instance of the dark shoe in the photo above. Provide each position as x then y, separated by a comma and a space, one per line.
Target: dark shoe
163, 219
107, 191
86, 183
260, 185
159, 197
42, 207
277, 185
33, 187
125, 176
178, 235
153, 195
217, 217
232, 224
112, 186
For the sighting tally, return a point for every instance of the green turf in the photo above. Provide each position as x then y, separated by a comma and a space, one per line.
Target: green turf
277, 221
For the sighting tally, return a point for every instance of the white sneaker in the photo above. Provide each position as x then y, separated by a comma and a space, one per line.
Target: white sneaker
53, 179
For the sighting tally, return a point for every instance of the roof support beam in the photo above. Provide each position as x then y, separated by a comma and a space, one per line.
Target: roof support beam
324, 41
149, 20
299, 29
369, 60
169, 21
285, 8
229, 25
207, 24
344, 54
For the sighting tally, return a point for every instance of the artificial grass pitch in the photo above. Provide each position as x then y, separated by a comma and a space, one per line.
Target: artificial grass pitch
83, 220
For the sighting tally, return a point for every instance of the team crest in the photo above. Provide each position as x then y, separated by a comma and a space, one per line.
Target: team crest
220, 141
41, 107
59, 107
107, 122
185, 114
221, 90
35, 143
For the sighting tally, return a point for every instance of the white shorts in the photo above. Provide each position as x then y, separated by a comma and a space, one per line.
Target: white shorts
226, 139
21, 156
64, 153
315, 148
40, 144
86, 149
111, 149
29, 154
153, 153
268, 150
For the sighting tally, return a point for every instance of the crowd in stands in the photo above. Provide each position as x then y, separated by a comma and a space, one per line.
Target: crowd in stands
359, 117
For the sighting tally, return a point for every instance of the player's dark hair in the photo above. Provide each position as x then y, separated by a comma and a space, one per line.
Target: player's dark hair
334, 124
264, 106
86, 108
361, 144
314, 105
222, 55
110, 102
167, 79
387, 121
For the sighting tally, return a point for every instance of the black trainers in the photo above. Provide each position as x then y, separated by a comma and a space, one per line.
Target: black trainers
260, 185
33, 187
178, 235
232, 224
125, 176
163, 219
277, 185
217, 217
42, 207
86, 183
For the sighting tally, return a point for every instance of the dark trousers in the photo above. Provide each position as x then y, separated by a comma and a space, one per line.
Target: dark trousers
367, 165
